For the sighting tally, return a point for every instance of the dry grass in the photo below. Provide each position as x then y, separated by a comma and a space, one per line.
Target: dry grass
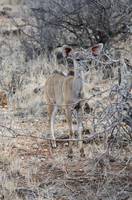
29, 168
33, 171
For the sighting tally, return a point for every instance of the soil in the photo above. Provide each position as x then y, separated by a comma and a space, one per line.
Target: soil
40, 172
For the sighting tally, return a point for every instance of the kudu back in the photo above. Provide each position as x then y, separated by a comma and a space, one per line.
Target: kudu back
66, 91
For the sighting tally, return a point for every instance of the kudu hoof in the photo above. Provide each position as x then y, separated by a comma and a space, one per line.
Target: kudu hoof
82, 154
70, 156
70, 153
53, 144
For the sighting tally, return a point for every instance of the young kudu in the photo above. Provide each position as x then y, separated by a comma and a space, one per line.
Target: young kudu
66, 92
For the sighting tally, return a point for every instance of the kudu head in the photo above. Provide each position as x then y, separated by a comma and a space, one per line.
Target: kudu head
80, 57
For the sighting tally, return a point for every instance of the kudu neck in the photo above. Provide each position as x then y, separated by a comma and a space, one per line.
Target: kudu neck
70, 66
78, 73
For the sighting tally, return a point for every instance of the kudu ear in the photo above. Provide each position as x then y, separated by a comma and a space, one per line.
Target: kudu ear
96, 49
66, 51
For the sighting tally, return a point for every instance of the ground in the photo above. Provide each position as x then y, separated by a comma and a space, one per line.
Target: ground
31, 169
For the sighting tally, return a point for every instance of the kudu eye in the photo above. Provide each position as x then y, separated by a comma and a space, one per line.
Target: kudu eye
78, 59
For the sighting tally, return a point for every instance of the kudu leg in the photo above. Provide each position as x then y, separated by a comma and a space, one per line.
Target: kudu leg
80, 129
50, 110
52, 122
69, 121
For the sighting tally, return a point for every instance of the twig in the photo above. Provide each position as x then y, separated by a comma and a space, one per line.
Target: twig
92, 137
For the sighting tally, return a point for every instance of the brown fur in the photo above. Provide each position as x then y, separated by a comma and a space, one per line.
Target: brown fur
3, 99
63, 91
66, 92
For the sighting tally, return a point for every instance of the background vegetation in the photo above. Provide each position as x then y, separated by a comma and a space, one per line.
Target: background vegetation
30, 30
